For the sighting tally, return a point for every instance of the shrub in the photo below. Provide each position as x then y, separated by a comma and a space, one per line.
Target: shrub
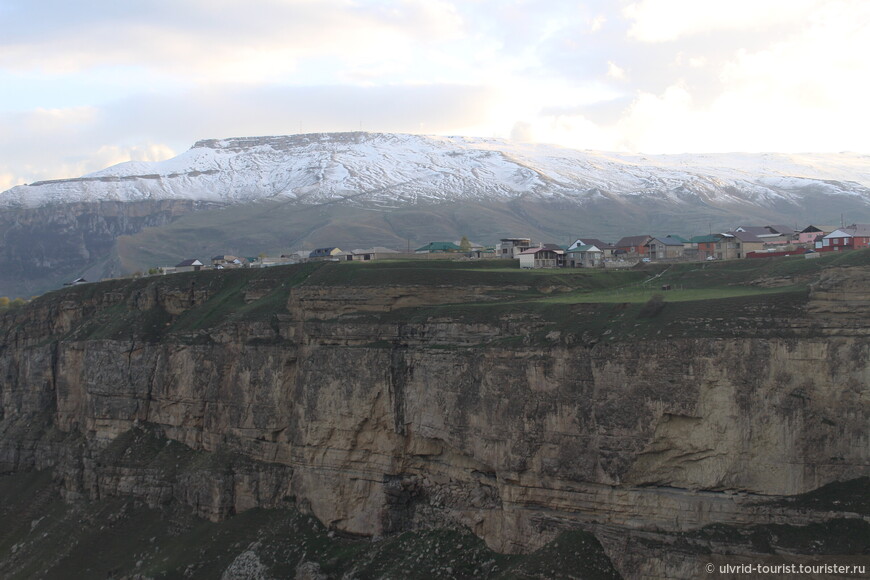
653, 307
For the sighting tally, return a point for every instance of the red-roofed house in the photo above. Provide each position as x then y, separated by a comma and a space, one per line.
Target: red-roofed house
847, 238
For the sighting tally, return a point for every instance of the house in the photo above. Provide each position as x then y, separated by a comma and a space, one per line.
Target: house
227, 261
702, 247
633, 245
269, 261
76, 282
812, 234
607, 249
664, 248
368, 254
511, 247
191, 265
775, 234
297, 256
542, 257
483, 253
438, 248
784, 231
735, 245
847, 238
329, 253
472, 246
586, 256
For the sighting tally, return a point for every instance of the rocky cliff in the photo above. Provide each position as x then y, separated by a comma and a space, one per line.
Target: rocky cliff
399, 405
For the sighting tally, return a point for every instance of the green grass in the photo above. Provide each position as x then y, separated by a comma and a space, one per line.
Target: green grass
633, 294
496, 292
471, 273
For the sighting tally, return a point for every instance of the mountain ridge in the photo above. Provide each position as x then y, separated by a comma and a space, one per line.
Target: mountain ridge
388, 170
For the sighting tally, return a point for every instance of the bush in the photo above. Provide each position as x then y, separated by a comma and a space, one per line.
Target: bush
653, 307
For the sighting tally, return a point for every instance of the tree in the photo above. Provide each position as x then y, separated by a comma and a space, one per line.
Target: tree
464, 245
4, 302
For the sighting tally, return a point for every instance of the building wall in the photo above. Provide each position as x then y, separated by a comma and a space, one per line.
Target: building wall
809, 237
527, 260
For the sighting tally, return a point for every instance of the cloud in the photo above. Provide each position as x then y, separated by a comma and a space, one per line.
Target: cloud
615, 72
68, 143
225, 41
522, 132
668, 20
8, 180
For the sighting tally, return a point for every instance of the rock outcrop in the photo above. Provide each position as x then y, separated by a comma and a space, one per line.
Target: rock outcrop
379, 411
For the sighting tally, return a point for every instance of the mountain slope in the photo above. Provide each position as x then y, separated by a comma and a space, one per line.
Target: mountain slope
389, 170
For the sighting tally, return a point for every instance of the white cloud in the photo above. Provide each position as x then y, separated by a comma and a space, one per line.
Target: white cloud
235, 42
51, 144
8, 180
615, 72
668, 20
597, 23
109, 155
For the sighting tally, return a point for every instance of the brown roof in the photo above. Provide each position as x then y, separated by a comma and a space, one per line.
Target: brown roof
595, 242
632, 241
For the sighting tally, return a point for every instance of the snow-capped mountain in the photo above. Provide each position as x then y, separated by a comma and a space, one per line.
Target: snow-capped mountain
391, 170
274, 194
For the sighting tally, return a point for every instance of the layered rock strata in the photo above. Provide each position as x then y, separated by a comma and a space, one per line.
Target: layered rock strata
379, 416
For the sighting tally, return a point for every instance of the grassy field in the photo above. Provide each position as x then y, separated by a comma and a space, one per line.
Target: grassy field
497, 290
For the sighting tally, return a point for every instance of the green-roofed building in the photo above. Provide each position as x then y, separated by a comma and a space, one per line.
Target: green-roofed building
438, 248
704, 247
584, 256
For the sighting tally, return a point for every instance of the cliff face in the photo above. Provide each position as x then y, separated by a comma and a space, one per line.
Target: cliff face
380, 416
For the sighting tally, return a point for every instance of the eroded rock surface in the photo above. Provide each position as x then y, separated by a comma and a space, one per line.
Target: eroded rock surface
511, 425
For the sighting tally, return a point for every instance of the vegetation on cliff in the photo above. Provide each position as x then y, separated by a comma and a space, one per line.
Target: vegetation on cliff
423, 402
735, 298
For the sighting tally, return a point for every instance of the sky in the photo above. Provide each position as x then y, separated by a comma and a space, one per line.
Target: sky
91, 83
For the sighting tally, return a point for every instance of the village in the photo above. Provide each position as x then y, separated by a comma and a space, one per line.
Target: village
744, 242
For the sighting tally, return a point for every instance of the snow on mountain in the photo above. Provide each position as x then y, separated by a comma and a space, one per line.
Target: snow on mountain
390, 170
